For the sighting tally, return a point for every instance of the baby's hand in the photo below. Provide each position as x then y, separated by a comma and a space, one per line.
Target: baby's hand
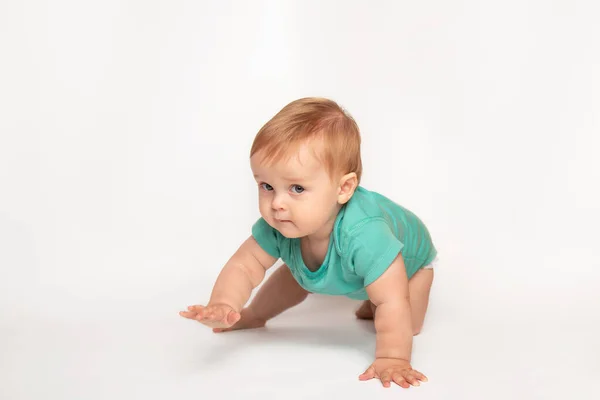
213, 315
393, 369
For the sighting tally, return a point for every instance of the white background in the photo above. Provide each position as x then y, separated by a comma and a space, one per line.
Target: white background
125, 128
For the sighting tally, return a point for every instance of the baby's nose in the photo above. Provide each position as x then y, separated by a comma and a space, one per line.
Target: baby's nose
278, 203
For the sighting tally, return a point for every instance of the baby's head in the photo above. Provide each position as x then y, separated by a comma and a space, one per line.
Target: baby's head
306, 161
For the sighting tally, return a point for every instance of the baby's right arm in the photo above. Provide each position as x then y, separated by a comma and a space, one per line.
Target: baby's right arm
244, 271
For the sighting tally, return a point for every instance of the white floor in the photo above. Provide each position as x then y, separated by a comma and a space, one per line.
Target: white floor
317, 350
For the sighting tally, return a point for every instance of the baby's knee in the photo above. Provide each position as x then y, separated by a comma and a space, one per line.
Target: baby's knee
417, 330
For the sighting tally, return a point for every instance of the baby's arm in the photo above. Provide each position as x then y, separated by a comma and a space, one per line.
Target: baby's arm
244, 271
389, 293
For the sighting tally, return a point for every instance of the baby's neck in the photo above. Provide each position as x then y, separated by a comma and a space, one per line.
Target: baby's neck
318, 237
314, 247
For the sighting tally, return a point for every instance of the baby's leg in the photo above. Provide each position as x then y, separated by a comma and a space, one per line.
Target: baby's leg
277, 294
366, 310
419, 287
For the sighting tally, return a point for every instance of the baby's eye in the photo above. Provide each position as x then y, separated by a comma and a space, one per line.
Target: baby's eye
297, 189
266, 187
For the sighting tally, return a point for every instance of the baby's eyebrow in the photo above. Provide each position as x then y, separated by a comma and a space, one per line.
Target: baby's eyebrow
294, 179
289, 178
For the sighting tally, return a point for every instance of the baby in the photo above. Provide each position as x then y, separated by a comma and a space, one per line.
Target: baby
335, 237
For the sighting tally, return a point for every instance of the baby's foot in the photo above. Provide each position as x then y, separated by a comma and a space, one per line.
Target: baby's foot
365, 311
247, 321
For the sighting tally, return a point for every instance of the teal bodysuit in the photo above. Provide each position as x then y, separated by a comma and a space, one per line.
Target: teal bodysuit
369, 232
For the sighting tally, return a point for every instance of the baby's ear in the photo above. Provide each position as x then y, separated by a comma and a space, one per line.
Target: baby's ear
348, 184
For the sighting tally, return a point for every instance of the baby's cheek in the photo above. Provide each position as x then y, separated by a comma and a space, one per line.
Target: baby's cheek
318, 216
263, 208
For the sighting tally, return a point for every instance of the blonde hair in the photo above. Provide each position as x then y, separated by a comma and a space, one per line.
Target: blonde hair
308, 119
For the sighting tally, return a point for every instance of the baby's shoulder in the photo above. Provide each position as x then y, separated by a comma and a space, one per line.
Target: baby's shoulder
365, 216
366, 205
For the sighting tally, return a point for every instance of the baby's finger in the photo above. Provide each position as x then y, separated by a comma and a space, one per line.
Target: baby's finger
419, 376
400, 381
188, 314
233, 317
203, 316
411, 378
385, 378
368, 374
196, 308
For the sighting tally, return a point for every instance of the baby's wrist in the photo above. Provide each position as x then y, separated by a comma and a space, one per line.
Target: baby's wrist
397, 351
392, 357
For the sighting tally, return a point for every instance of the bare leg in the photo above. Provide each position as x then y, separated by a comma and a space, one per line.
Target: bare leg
419, 287
366, 310
277, 294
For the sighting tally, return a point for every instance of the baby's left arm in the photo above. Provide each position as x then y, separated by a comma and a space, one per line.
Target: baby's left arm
393, 324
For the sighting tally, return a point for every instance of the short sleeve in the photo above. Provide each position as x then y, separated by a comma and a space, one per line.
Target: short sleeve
266, 237
372, 249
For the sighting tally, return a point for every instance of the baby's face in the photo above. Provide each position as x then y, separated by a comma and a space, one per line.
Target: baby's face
297, 196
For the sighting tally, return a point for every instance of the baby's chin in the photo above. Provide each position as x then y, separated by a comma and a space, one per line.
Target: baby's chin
290, 233
288, 230
288, 236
